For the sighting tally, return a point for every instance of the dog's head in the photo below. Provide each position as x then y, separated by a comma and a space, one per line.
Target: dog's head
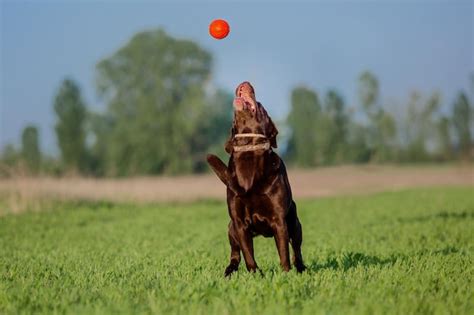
250, 116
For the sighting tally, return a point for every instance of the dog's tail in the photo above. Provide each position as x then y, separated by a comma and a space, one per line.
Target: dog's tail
221, 171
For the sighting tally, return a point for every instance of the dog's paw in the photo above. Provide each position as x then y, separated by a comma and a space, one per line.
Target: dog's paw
300, 267
230, 269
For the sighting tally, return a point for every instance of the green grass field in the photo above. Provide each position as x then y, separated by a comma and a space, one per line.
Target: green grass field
400, 252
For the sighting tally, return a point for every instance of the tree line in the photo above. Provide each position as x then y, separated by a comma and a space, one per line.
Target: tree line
326, 132
162, 116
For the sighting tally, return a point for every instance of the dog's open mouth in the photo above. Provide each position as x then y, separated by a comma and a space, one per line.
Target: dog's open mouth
245, 98
241, 104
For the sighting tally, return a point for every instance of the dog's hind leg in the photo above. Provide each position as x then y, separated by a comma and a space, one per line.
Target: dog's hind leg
234, 252
295, 232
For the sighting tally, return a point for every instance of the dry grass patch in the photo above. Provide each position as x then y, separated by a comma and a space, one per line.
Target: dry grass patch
23, 192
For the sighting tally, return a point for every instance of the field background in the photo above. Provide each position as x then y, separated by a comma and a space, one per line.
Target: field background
24, 192
404, 251
111, 107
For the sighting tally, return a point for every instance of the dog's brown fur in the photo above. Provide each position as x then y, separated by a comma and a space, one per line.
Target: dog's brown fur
259, 196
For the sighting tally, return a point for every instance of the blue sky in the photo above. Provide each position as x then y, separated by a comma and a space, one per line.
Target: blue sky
422, 45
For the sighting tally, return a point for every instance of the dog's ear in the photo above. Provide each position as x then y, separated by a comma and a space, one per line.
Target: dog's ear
228, 144
271, 133
270, 129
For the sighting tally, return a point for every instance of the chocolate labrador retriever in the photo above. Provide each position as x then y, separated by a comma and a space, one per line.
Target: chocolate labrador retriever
259, 196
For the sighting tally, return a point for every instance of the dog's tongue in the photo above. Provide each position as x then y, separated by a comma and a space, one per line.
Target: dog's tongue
243, 103
239, 103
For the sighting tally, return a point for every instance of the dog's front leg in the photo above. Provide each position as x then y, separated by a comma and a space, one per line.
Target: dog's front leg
219, 168
234, 251
282, 240
237, 211
246, 245
222, 172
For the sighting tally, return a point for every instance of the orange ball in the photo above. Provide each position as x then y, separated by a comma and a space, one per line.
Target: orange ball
219, 29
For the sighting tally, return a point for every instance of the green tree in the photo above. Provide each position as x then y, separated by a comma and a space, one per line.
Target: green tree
421, 130
213, 128
369, 93
30, 150
155, 90
98, 127
462, 120
71, 114
335, 129
9, 160
386, 137
302, 120
413, 135
358, 148
471, 87
444, 141
381, 127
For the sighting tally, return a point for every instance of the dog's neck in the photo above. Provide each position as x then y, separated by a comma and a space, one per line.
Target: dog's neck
252, 147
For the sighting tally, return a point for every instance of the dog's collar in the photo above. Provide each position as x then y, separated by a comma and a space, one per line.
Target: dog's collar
251, 147
249, 135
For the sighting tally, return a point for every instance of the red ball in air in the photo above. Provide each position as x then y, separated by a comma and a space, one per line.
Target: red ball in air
219, 29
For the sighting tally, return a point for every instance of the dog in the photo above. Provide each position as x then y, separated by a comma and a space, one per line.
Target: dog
259, 197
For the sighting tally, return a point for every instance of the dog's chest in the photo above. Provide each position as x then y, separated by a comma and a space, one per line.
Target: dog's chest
259, 225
